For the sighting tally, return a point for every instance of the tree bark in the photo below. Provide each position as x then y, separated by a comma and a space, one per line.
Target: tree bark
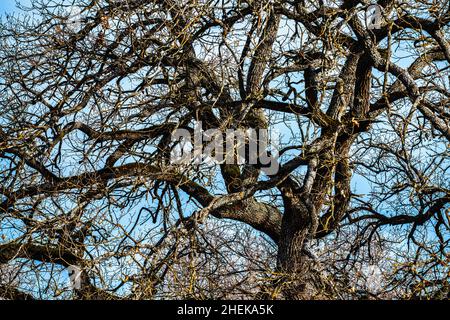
298, 225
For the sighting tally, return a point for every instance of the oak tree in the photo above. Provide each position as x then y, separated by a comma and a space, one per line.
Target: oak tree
92, 90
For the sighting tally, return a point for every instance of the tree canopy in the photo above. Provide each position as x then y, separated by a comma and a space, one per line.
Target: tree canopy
92, 90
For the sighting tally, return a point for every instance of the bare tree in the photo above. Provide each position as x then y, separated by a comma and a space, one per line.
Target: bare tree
92, 90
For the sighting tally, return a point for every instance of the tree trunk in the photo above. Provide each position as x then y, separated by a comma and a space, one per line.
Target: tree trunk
298, 224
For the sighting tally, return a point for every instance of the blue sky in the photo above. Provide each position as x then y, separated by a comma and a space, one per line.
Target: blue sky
7, 6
